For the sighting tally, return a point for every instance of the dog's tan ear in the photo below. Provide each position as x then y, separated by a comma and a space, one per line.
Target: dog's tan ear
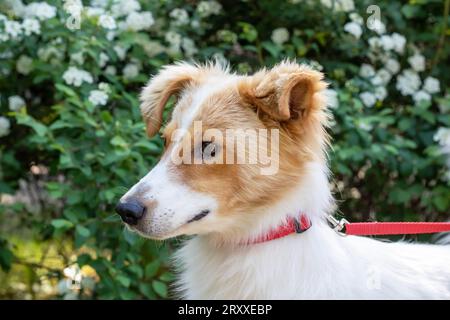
169, 81
285, 92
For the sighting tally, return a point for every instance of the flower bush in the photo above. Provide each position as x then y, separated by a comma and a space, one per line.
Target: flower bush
72, 140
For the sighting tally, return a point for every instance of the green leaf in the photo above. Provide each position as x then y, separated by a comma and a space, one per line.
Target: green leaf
130, 236
123, 280
151, 269
167, 277
118, 141
160, 288
61, 224
65, 89
26, 120
83, 231
147, 291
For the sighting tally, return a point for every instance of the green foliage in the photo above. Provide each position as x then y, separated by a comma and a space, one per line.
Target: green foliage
385, 160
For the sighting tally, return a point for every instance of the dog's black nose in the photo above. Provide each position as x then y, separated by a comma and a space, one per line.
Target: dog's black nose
130, 211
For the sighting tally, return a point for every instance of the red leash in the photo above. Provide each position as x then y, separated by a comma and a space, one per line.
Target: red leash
389, 228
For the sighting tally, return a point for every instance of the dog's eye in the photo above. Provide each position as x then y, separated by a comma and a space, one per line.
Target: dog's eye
208, 149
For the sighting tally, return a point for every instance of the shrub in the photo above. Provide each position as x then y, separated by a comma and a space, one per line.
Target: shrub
71, 135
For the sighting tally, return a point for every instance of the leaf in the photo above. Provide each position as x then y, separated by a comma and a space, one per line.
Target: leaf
160, 288
273, 49
147, 291
83, 231
6, 257
167, 277
61, 224
151, 269
65, 89
118, 141
441, 202
26, 120
123, 280
130, 236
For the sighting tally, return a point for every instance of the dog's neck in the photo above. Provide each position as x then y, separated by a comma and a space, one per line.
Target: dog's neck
310, 197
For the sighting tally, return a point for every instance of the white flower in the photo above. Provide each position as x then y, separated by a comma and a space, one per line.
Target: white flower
431, 85
103, 59
40, 10
180, 16
94, 12
130, 71
442, 136
120, 51
374, 43
408, 82
377, 25
30, 26
77, 57
421, 96
382, 77
173, 38
100, 3
280, 36
138, 21
417, 62
353, 28
356, 18
98, 97
339, 5
110, 35
106, 21
387, 42
103, 86
399, 42
364, 125
13, 29
46, 53
195, 24
16, 7
189, 47
368, 99
111, 70
331, 97
380, 93
207, 8
124, 7
15, 103
76, 77
366, 71
393, 66
4, 126
153, 48
24, 65
73, 7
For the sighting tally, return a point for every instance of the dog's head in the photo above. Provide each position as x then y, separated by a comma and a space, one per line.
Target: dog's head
234, 144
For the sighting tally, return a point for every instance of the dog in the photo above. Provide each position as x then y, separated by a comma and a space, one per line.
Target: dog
237, 215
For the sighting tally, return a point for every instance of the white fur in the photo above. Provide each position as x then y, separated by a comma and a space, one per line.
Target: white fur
318, 264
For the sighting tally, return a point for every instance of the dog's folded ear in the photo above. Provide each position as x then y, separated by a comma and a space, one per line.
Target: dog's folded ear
288, 91
168, 82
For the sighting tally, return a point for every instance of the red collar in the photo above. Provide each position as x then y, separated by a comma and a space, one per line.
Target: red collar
292, 225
